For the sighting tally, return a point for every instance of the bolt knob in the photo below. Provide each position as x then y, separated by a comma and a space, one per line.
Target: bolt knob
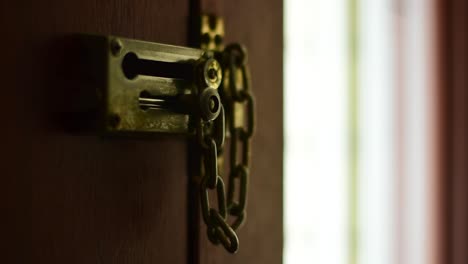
210, 104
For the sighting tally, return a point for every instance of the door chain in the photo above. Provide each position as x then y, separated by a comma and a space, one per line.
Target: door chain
238, 102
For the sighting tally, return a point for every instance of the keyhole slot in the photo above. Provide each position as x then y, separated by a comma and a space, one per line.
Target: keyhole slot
132, 66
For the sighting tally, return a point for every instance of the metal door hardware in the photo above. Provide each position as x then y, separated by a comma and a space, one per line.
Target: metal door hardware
238, 101
140, 87
143, 87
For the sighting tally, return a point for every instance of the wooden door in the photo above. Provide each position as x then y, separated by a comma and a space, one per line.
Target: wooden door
78, 198
452, 127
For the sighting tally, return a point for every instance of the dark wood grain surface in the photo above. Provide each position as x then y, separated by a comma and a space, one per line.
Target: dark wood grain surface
452, 95
74, 198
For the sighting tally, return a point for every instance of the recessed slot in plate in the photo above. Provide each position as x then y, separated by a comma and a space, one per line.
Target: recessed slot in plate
148, 101
132, 66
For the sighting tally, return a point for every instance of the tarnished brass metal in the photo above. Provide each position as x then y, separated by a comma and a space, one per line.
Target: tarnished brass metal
149, 87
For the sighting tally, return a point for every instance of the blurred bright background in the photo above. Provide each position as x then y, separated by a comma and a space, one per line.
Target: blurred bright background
357, 131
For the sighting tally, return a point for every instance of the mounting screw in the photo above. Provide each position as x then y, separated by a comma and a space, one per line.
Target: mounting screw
212, 74
116, 47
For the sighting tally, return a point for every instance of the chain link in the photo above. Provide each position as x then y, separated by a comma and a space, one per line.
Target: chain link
238, 93
211, 136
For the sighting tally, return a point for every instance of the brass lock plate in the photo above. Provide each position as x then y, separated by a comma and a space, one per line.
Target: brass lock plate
141, 86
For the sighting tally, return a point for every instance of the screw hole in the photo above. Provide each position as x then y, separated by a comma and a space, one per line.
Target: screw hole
116, 47
205, 38
212, 74
218, 40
